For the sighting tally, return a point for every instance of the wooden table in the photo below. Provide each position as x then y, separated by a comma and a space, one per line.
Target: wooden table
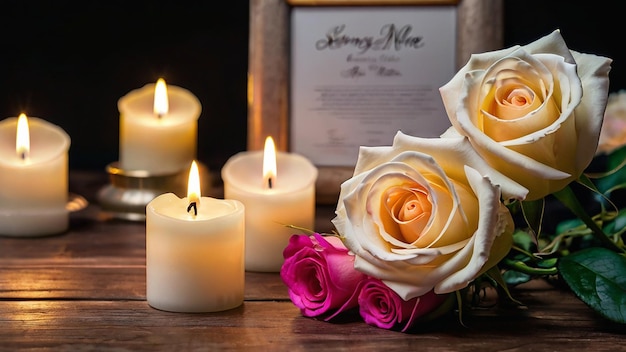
85, 290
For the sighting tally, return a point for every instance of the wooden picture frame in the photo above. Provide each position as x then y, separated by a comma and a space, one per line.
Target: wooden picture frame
479, 29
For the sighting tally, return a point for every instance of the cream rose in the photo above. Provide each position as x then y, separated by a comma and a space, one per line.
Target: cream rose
613, 132
533, 112
420, 215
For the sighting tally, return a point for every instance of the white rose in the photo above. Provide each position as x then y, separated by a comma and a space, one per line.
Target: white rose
533, 112
420, 215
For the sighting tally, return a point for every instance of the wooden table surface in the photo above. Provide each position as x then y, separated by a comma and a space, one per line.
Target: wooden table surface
85, 290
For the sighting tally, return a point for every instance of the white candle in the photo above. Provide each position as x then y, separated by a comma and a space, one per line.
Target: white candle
194, 261
33, 178
158, 130
290, 201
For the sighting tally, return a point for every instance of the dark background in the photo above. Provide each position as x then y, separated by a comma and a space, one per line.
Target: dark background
594, 27
70, 61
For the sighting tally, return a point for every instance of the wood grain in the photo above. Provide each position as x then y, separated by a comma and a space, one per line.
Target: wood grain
133, 325
85, 290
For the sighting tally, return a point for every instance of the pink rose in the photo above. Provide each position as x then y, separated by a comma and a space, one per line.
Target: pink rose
319, 273
381, 307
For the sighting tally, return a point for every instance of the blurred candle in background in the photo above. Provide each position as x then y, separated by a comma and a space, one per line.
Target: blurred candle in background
158, 129
277, 189
33, 177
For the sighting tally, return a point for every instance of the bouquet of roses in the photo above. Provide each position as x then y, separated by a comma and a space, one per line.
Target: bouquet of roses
422, 220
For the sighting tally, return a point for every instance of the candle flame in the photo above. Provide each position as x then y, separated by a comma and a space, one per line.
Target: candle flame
269, 162
161, 102
22, 140
193, 185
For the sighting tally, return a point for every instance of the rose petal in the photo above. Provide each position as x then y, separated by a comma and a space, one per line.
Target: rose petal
320, 276
455, 150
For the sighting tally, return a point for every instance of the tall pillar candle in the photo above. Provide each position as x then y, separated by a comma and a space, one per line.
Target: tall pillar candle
290, 201
33, 178
194, 254
158, 142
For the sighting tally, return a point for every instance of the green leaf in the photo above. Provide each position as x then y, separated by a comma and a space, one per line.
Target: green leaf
514, 278
567, 225
617, 158
568, 198
533, 214
523, 240
615, 177
598, 277
611, 183
522, 267
547, 263
586, 181
617, 224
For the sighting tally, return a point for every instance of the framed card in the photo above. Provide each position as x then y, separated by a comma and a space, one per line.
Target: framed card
326, 77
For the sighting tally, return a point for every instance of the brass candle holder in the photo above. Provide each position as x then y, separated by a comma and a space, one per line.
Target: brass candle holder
129, 191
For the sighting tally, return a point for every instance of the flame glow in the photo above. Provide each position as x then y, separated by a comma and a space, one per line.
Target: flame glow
269, 162
161, 102
193, 185
22, 139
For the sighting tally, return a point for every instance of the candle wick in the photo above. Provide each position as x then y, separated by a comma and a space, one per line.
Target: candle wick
23, 155
160, 115
195, 208
269, 182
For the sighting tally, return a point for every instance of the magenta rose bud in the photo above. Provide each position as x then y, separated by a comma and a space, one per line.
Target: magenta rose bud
320, 276
381, 307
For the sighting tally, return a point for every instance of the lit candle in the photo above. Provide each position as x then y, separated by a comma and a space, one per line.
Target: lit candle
273, 197
33, 177
194, 251
158, 129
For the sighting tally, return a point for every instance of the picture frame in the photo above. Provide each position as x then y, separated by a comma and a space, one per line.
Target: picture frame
479, 28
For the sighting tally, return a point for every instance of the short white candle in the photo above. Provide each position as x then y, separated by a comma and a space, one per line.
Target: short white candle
194, 261
159, 138
290, 201
33, 178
